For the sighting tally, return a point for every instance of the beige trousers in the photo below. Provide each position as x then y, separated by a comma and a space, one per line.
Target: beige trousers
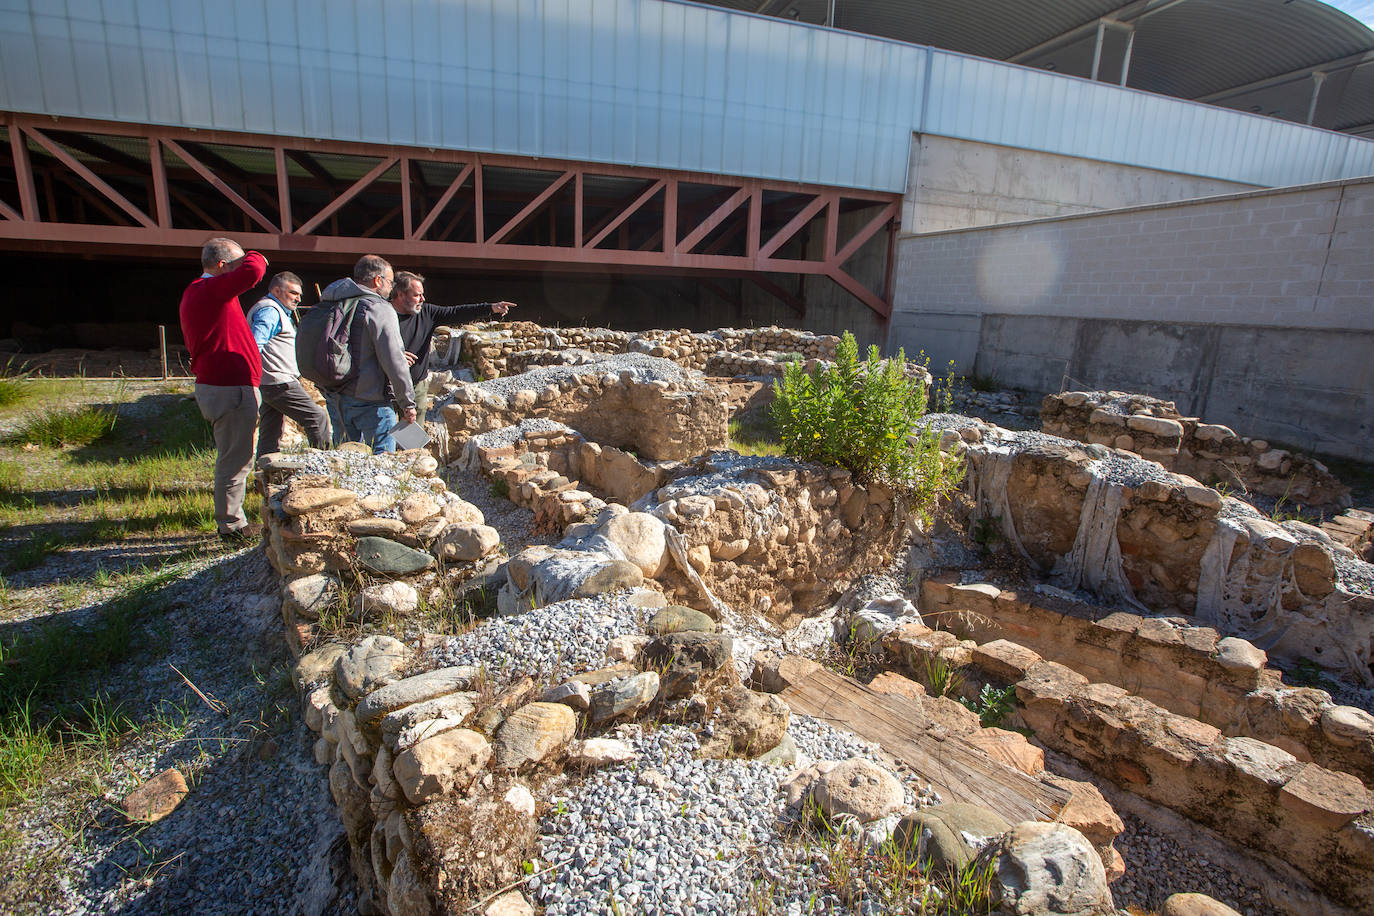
233, 412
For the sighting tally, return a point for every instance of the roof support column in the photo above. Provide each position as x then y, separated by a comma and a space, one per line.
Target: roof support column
1126, 60
1097, 48
1318, 77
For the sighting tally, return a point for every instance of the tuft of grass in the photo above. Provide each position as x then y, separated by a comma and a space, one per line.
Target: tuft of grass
980, 382
942, 678
26, 748
31, 553
14, 387
65, 428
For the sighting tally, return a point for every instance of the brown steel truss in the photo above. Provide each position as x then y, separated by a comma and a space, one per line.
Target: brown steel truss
87, 186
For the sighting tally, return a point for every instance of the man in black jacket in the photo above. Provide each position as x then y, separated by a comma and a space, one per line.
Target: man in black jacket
418, 319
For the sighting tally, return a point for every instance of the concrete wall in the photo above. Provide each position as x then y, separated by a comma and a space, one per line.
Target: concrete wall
1255, 310
954, 184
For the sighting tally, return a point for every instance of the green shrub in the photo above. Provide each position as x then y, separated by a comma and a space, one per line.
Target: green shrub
59, 428
864, 417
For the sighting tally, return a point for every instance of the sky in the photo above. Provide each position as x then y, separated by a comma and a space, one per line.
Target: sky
1362, 10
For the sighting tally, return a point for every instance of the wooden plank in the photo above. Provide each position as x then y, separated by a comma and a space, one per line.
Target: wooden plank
958, 771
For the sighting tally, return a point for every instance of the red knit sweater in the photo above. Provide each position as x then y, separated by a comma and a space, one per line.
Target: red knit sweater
212, 321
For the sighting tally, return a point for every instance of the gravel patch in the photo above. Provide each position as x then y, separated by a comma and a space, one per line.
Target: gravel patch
703, 836
642, 368
386, 474
1160, 863
551, 642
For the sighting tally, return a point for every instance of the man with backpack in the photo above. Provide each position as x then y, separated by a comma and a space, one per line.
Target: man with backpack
350, 345
273, 323
418, 318
228, 370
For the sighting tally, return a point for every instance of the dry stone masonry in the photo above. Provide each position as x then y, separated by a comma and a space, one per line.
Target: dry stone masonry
1155, 430
606, 720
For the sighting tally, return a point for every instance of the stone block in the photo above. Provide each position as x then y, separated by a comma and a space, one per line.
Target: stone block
1325, 798
1004, 660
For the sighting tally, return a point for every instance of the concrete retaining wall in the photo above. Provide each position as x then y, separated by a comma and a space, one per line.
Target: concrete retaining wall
1253, 309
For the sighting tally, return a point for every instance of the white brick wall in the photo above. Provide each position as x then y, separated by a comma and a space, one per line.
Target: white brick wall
1301, 257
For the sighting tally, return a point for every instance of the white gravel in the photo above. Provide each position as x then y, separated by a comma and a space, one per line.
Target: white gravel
714, 839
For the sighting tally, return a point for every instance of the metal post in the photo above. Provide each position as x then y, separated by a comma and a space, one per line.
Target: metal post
1097, 47
830, 14
162, 348
1126, 60
1318, 77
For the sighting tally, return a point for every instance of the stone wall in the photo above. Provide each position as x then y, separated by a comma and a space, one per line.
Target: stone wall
497, 349
1155, 430
636, 402
1187, 669
1318, 819
768, 534
1150, 540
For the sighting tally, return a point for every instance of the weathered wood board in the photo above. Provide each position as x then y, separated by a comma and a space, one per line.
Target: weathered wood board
958, 771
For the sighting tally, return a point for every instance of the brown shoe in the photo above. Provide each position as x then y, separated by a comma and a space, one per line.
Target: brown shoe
250, 533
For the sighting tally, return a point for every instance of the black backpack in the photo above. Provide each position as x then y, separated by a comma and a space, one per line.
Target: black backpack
323, 353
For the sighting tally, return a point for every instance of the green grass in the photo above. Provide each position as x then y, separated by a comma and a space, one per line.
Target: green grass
755, 435
44, 671
12, 391
63, 428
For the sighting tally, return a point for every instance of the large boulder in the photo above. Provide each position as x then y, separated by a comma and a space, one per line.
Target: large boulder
444, 763
746, 724
532, 734
949, 836
371, 664
1051, 868
685, 659
624, 697
639, 537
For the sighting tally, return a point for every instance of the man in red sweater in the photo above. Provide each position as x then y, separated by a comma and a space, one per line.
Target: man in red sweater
224, 358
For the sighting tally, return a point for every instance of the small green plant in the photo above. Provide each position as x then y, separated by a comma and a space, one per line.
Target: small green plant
942, 678
987, 532
499, 488
63, 428
979, 382
1307, 673
864, 417
993, 705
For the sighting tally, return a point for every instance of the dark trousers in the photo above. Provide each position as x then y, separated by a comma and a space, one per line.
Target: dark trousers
289, 399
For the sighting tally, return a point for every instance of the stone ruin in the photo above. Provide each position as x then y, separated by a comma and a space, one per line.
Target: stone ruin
1155, 430
1130, 610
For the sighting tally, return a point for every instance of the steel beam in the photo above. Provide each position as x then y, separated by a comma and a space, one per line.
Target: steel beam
219, 184
89, 177
666, 250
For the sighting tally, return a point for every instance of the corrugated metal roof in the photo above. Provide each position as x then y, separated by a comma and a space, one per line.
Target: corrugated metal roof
676, 85
1188, 49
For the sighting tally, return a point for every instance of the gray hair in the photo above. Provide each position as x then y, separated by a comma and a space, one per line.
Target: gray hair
368, 267
216, 250
283, 278
403, 280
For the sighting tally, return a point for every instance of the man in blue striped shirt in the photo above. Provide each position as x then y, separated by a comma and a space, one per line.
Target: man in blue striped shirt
272, 321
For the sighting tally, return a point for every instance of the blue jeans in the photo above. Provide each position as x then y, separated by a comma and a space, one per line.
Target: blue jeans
364, 421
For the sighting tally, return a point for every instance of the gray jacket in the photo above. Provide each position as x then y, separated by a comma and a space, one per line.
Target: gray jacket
378, 353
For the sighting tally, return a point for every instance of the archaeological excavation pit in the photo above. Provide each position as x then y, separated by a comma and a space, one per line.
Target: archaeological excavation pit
689, 680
